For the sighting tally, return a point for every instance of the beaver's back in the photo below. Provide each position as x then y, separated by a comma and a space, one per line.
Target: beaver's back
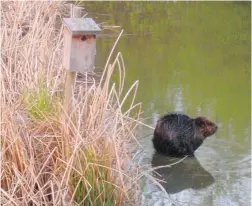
175, 125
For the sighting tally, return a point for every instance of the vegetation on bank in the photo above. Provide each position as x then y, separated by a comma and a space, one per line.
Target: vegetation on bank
49, 157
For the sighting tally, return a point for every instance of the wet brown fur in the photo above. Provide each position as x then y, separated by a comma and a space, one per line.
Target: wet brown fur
177, 134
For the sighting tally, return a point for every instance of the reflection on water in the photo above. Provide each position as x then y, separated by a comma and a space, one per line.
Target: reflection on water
193, 57
183, 175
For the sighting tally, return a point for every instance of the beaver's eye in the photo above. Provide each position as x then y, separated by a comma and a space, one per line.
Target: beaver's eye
202, 125
210, 124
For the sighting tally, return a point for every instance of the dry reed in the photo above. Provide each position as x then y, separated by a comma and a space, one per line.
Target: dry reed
81, 159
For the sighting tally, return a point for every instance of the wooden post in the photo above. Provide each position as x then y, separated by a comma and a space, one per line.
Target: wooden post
71, 76
69, 86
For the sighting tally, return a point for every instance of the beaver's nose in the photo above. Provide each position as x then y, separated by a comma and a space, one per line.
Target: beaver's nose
216, 128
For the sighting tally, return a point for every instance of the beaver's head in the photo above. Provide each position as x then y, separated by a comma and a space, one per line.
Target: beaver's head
205, 126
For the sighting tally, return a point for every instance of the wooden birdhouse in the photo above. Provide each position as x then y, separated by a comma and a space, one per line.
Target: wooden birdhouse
79, 44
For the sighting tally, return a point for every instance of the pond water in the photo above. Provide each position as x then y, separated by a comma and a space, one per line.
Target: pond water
192, 57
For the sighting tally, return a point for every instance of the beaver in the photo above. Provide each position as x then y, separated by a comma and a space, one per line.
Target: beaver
176, 134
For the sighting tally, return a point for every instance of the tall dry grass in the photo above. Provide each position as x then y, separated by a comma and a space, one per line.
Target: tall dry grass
81, 159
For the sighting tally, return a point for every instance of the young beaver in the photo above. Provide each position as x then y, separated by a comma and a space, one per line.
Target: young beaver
177, 134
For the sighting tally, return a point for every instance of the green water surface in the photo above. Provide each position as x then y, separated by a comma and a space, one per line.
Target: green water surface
193, 57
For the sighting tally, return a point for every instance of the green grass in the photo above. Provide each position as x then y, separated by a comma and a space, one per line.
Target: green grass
39, 103
96, 183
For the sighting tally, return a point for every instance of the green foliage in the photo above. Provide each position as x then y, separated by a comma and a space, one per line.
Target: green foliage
96, 183
39, 102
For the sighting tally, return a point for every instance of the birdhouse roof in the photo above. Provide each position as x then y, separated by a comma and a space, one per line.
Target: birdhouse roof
81, 26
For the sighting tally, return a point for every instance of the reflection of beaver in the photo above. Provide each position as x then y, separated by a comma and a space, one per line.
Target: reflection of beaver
181, 175
177, 134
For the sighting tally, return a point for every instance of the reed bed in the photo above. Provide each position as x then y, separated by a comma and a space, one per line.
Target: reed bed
48, 156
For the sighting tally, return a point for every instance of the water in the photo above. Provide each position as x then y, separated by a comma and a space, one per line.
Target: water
192, 57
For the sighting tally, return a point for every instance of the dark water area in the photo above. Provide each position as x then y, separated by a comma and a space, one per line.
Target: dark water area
181, 176
193, 57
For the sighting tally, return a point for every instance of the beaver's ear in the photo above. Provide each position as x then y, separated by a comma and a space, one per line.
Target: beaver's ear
200, 121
